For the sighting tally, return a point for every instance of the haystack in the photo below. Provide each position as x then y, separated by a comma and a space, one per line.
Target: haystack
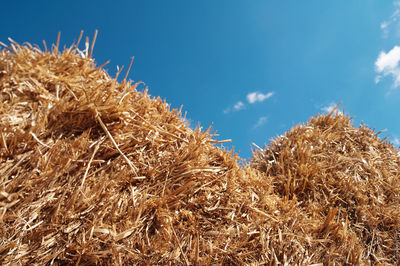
347, 179
94, 171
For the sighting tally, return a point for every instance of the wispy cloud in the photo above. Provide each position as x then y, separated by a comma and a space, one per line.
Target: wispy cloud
393, 21
387, 64
328, 108
384, 28
256, 96
252, 98
261, 121
238, 106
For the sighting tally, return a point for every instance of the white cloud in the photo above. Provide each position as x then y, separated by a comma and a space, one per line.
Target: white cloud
385, 29
261, 121
328, 108
238, 106
392, 21
387, 64
254, 97
387, 61
384, 25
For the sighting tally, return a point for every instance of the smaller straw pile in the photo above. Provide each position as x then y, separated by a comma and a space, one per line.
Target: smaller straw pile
347, 180
93, 171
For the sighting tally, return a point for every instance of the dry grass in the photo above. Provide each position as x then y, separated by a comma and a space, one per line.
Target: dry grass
346, 179
93, 171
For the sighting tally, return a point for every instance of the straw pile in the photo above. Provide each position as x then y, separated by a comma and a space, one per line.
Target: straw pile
347, 179
93, 171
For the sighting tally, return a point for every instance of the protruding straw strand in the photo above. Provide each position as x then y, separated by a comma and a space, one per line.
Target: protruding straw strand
79, 40
129, 68
93, 42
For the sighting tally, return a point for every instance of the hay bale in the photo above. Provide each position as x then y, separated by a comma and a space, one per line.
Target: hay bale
93, 171
347, 179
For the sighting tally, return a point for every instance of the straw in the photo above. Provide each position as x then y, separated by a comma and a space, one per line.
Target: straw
93, 171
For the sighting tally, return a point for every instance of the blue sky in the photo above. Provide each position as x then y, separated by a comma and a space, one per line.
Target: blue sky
252, 68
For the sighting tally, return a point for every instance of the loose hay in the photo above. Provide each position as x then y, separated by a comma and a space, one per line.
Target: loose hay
346, 179
95, 172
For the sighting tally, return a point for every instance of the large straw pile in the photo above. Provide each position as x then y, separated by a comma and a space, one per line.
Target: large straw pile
93, 171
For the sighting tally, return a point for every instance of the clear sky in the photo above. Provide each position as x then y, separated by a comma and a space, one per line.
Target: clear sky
252, 68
